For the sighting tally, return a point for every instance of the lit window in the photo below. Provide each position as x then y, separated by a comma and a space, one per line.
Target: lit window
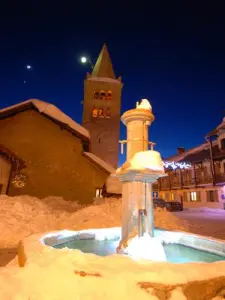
96, 95
108, 113
94, 112
173, 196
101, 112
102, 95
193, 196
109, 95
98, 193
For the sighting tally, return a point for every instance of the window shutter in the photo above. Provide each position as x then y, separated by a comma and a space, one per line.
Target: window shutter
208, 196
185, 196
198, 196
216, 198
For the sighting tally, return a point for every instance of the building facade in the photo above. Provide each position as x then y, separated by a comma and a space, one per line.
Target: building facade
203, 183
44, 153
102, 109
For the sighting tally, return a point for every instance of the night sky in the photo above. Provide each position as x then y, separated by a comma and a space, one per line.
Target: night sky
170, 52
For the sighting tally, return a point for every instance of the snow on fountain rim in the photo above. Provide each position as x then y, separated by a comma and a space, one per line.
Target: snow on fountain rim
115, 266
40, 241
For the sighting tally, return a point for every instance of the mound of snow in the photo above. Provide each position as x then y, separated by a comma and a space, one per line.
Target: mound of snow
24, 215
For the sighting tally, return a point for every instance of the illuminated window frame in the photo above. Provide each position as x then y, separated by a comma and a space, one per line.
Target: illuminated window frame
109, 95
98, 193
193, 196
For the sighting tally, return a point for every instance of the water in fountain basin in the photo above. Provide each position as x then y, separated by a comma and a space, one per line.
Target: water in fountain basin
174, 253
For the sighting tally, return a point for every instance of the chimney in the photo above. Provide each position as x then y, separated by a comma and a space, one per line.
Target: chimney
180, 150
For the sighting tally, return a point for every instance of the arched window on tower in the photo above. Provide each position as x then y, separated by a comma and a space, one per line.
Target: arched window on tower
102, 95
109, 95
96, 95
94, 112
108, 113
101, 112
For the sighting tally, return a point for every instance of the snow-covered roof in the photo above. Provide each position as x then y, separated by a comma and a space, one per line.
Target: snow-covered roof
222, 125
113, 185
52, 111
197, 149
100, 162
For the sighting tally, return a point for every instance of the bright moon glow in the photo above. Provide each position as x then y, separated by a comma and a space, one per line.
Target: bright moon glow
28, 67
83, 59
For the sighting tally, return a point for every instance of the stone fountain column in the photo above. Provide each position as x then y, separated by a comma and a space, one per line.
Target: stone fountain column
137, 182
137, 122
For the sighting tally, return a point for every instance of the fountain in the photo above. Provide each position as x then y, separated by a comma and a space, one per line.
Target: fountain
142, 168
136, 237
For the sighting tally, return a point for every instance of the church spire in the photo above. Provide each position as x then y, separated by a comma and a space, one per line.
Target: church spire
103, 66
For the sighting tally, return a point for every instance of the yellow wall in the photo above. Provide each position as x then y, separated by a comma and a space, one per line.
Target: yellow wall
55, 165
202, 197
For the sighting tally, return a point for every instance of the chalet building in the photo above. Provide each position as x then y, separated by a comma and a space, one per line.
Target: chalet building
44, 152
203, 184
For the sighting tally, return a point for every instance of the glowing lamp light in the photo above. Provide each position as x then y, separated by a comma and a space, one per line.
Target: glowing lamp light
174, 165
83, 59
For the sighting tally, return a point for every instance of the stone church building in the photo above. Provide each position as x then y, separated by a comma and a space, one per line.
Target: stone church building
43, 152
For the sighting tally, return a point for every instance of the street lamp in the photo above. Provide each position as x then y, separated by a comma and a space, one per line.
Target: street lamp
85, 60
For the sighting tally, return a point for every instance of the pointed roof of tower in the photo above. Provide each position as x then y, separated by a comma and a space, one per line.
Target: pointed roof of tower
103, 66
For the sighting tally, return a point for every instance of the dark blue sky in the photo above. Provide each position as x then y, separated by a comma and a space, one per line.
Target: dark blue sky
171, 52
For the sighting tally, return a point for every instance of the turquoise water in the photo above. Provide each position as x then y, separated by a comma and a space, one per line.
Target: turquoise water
174, 253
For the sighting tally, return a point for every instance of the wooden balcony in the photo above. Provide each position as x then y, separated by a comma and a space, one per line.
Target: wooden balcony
176, 183
204, 180
220, 178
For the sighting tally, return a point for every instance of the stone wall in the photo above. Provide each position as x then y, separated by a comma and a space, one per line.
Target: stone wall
104, 132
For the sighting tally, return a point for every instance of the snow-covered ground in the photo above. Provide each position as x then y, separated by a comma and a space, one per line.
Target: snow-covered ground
55, 274
209, 223
22, 216
63, 274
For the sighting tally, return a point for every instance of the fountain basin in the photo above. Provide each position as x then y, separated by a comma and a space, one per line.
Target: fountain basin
179, 247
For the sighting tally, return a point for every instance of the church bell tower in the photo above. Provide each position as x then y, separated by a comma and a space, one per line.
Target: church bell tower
102, 108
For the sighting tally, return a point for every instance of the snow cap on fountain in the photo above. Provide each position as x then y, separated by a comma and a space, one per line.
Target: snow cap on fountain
150, 160
145, 160
145, 104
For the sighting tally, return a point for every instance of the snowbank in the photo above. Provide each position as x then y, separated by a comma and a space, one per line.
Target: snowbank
24, 215
64, 274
